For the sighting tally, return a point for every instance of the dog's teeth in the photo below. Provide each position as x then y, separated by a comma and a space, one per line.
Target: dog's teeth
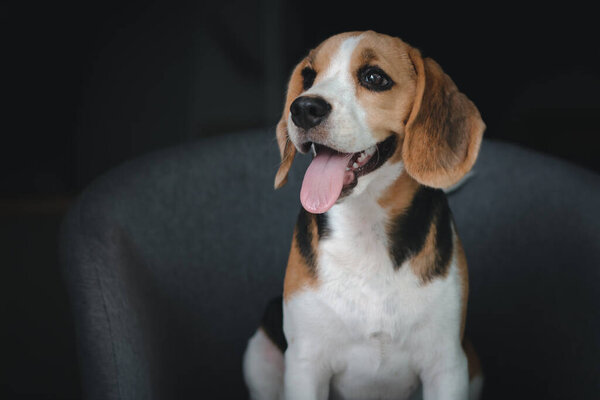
347, 169
314, 150
355, 165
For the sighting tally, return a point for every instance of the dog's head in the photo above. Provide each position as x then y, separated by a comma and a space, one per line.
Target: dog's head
361, 100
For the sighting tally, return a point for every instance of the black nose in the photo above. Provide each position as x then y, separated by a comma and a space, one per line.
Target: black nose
309, 111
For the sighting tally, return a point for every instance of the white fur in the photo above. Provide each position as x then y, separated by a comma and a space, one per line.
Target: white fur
263, 368
347, 126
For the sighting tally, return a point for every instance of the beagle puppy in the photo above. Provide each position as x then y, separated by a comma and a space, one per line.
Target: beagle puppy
375, 291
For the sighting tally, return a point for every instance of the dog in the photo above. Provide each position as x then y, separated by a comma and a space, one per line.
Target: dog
376, 286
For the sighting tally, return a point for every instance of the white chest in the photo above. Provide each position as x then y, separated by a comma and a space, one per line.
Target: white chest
370, 322
359, 281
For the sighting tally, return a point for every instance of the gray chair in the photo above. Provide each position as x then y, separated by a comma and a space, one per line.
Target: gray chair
170, 259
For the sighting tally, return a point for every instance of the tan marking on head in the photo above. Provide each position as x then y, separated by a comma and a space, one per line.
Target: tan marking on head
298, 275
472, 359
368, 56
387, 111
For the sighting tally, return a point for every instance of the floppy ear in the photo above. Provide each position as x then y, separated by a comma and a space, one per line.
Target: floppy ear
287, 150
444, 129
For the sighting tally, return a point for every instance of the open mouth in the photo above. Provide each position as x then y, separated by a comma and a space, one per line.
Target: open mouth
332, 174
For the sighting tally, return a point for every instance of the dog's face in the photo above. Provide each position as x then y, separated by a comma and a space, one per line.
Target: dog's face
360, 100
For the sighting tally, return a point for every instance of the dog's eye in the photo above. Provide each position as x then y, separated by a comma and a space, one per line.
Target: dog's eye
373, 78
308, 76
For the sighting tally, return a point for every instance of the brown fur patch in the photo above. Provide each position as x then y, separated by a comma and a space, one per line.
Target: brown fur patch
472, 359
288, 152
386, 111
463, 274
422, 264
299, 274
368, 56
398, 196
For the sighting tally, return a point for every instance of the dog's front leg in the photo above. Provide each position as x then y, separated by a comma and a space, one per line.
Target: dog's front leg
306, 376
448, 378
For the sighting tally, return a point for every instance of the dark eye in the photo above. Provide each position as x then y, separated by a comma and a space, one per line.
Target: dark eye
373, 78
308, 76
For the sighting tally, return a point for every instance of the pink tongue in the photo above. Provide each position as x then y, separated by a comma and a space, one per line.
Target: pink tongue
323, 181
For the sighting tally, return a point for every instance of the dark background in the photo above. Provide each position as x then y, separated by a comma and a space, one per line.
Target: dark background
88, 85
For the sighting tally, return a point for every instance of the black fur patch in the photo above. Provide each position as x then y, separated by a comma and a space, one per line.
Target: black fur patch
322, 227
304, 235
443, 241
272, 323
304, 238
410, 229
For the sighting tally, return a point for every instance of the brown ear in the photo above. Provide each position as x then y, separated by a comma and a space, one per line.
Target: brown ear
444, 129
287, 151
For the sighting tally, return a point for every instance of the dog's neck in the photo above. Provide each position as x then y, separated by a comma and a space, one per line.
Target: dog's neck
379, 200
403, 218
361, 221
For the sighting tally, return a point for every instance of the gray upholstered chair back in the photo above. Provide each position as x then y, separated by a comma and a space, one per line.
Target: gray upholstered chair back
170, 259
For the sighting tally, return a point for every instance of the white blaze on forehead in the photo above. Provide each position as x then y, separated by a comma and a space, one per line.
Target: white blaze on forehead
346, 125
339, 65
